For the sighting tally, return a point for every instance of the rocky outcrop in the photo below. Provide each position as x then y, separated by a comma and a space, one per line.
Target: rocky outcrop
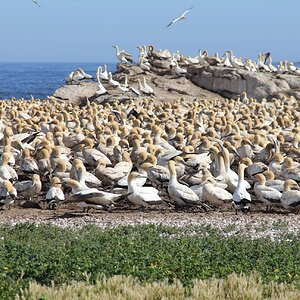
201, 82
76, 92
167, 86
230, 82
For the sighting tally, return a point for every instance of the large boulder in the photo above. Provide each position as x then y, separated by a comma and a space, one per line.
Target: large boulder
230, 82
76, 92
166, 85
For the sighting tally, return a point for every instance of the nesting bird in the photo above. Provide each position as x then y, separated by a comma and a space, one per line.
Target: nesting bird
181, 194
55, 194
8, 194
29, 189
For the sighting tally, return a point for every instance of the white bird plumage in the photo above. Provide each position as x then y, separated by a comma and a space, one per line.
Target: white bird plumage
180, 18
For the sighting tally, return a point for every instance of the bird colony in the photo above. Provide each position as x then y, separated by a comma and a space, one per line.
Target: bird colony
206, 154
178, 64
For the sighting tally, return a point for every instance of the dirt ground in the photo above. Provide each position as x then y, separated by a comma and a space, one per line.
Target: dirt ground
256, 223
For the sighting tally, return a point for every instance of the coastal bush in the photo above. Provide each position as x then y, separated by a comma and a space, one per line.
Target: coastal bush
48, 254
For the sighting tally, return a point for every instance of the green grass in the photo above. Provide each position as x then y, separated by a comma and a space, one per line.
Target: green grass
148, 253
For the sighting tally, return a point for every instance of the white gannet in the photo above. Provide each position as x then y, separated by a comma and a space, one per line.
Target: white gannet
6, 171
180, 18
178, 192
192, 60
269, 64
92, 155
69, 78
261, 64
235, 62
144, 64
173, 61
140, 195
135, 92
229, 176
112, 82
77, 76
226, 61
290, 199
142, 51
241, 198
27, 163
29, 188
289, 170
276, 184
79, 173
156, 174
103, 75
266, 194
148, 87
214, 194
8, 193
178, 70
101, 89
122, 56
147, 90
122, 88
91, 196
202, 57
108, 175
55, 193
105, 72
85, 75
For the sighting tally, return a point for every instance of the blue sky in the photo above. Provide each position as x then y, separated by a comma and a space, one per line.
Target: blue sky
85, 30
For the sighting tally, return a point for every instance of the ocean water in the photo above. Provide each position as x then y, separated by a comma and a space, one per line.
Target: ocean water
21, 80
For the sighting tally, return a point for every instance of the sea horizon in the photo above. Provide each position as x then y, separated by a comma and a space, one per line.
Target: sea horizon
39, 79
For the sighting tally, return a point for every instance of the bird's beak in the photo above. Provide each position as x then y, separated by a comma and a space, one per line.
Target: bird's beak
234, 151
296, 187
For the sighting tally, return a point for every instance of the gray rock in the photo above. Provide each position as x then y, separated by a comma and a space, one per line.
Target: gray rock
77, 92
230, 82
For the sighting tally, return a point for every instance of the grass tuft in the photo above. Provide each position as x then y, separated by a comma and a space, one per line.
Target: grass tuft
234, 287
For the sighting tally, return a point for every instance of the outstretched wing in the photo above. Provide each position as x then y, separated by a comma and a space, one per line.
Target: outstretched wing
172, 22
36, 3
186, 11
179, 18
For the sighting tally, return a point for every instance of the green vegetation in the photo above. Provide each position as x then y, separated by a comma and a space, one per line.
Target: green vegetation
120, 287
47, 254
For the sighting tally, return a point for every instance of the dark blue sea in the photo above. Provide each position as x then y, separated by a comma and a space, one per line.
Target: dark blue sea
21, 80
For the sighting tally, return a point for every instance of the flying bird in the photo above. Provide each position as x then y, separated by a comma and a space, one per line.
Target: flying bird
36, 3
180, 18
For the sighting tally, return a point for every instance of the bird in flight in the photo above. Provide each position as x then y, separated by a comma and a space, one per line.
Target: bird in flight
36, 3
180, 18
